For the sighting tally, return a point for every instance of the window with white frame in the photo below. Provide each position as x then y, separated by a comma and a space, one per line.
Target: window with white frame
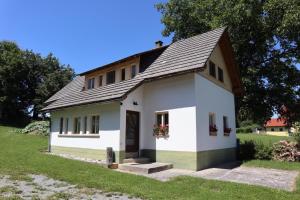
133, 71
85, 125
225, 122
226, 127
123, 74
77, 125
212, 124
100, 81
61, 125
212, 69
162, 119
67, 125
110, 77
91, 83
220, 74
95, 124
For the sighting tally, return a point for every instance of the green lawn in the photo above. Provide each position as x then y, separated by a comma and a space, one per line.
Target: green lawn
266, 139
22, 154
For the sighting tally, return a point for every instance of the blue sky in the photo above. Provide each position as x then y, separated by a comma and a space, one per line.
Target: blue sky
84, 34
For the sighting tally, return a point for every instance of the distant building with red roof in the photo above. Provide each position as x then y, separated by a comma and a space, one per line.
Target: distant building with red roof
277, 126
276, 122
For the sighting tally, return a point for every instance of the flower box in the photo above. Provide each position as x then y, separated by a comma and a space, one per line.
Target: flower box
213, 130
227, 131
161, 131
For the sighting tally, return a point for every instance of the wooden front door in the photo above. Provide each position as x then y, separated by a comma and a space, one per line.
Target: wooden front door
132, 131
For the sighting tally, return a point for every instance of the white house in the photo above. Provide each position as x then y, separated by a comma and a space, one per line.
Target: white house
171, 104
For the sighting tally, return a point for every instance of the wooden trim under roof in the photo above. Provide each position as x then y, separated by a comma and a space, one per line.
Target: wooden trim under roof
123, 60
229, 59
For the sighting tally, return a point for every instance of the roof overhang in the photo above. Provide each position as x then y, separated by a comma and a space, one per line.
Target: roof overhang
229, 58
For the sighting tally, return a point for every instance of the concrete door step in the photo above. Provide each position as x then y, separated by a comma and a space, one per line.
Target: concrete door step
137, 160
145, 168
132, 154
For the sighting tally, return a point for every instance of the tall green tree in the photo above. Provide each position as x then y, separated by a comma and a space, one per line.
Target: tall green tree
265, 35
26, 80
12, 98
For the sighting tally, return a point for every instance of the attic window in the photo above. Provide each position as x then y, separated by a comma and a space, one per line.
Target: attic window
110, 77
212, 69
133, 71
123, 74
91, 83
100, 80
220, 74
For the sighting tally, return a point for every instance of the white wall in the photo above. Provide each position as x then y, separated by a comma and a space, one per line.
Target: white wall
212, 98
109, 126
177, 96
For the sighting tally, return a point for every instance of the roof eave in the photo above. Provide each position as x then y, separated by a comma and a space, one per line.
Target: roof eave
82, 104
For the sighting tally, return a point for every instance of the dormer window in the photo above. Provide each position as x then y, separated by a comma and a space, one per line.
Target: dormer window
91, 83
133, 71
100, 80
110, 77
123, 74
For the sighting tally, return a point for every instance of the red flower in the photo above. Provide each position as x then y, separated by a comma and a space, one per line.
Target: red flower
227, 130
213, 128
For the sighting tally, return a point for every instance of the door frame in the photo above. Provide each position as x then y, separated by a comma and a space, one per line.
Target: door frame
139, 126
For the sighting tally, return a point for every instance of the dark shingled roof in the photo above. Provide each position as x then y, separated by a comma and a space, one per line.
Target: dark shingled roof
182, 56
74, 87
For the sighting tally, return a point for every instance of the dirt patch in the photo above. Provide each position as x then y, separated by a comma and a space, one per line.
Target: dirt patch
38, 187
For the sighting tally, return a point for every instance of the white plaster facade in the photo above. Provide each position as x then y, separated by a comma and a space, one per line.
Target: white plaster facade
188, 99
109, 126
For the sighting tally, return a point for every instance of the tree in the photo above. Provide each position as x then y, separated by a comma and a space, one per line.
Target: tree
265, 35
12, 102
26, 80
55, 77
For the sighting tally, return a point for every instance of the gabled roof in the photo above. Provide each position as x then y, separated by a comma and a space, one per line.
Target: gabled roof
183, 56
274, 122
74, 87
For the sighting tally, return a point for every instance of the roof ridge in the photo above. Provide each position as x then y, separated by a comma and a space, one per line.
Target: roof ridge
223, 28
188, 55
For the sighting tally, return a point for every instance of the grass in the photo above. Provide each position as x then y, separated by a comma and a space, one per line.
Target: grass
22, 154
273, 164
266, 139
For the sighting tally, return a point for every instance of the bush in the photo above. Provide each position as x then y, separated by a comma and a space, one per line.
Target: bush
36, 128
246, 150
244, 130
297, 138
255, 150
286, 151
263, 151
247, 127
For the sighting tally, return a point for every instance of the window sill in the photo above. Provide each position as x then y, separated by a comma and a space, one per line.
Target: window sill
80, 135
